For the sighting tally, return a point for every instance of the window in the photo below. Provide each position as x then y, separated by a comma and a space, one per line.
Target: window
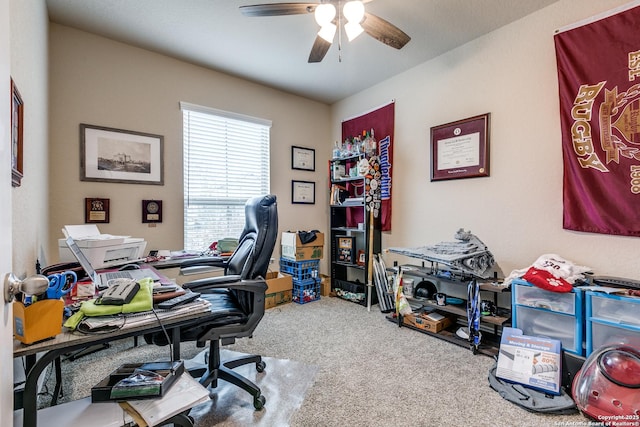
226, 162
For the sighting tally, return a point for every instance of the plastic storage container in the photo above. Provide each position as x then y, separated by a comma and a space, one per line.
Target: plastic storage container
543, 313
611, 319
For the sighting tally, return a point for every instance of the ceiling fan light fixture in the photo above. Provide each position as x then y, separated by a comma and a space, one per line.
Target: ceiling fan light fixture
353, 11
325, 13
328, 32
353, 30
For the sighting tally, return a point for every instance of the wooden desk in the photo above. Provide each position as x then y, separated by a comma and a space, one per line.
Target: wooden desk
68, 341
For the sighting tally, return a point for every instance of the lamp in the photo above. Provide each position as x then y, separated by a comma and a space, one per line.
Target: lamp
354, 12
324, 14
34, 285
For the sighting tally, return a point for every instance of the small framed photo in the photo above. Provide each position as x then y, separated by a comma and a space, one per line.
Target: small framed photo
151, 211
303, 192
345, 246
303, 158
17, 125
123, 156
96, 210
460, 149
361, 258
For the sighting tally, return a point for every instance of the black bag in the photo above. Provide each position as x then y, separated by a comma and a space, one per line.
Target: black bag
530, 399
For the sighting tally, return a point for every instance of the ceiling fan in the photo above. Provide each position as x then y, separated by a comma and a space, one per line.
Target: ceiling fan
330, 15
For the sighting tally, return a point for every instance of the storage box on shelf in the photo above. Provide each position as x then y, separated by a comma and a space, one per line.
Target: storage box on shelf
538, 312
305, 278
353, 235
611, 319
454, 284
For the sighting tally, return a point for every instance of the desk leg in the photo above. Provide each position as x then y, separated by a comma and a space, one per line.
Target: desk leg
175, 335
30, 397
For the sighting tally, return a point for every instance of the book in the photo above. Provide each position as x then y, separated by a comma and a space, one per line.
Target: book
183, 395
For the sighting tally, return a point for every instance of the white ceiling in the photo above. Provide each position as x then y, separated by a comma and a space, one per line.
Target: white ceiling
274, 50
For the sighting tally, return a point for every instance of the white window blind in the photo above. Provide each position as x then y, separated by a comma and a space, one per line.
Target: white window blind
226, 162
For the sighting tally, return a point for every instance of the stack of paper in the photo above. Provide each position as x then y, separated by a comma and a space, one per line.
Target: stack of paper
183, 395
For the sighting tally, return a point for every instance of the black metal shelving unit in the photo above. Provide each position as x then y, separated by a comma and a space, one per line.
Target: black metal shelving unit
350, 218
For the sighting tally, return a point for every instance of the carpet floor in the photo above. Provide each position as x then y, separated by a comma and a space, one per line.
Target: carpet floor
336, 364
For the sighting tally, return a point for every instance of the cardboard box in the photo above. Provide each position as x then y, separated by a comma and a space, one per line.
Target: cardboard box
294, 249
421, 321
532, 361
325, 285
38, 321
279, 289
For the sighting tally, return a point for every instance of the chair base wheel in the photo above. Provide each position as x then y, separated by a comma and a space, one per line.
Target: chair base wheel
258, 402
260, 366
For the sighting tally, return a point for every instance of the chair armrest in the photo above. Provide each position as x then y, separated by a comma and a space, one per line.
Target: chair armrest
213, 261
226, 282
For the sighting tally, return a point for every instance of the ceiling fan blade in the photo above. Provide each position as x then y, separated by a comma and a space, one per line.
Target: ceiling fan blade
384, 31
319, 49
278, 9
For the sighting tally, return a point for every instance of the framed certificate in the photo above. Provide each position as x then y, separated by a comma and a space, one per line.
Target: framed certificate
303, 158
460, 149
303, 192
96, 210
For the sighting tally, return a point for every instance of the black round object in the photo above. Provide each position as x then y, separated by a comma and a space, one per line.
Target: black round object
425, 289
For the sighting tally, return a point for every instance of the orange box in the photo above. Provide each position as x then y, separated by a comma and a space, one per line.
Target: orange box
38, 321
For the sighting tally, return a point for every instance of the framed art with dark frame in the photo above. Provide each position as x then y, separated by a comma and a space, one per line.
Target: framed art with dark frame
123, 156
96, 210
17, 119
303, 192
460, 149
303, 158
151, 211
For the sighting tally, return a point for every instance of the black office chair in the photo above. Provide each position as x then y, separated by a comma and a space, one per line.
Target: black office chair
237, 299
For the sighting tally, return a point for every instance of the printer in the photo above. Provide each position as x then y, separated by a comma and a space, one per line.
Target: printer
102, 250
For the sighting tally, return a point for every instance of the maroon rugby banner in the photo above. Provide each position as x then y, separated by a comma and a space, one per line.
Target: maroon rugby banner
599, 88
382, 121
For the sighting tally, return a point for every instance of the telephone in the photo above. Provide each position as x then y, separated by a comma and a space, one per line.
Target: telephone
119, 293
616, 281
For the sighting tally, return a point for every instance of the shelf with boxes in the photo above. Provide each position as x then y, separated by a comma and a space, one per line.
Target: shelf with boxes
354, 233
444, 292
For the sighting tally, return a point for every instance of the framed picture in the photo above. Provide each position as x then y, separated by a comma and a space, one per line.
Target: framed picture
345, 246
17, 118
460, 149
303, 158
151, 211
303, 192
96, 210
124, 156
361, 258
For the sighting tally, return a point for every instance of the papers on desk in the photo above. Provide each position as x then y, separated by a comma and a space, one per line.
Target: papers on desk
134, 319
184, 394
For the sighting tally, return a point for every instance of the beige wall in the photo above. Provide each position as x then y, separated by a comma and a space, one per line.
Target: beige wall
29, 23
517, 211
101, 82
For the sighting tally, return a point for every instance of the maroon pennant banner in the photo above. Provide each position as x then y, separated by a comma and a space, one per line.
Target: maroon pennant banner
599, 88
382, 122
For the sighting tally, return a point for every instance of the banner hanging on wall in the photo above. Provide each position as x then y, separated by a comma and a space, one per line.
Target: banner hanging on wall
599, 88
381, 121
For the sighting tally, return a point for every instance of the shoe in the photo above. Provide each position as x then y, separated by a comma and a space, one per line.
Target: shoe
462, 333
